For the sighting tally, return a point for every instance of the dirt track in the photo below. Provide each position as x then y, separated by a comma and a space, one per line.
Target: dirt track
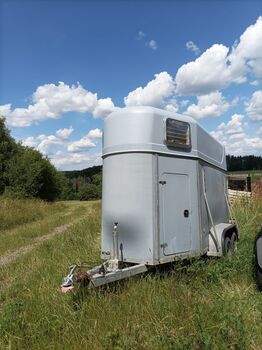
9, 257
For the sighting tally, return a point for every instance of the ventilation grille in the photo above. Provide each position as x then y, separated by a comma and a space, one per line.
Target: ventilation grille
177, 133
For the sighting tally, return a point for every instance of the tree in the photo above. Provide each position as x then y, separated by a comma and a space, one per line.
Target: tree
7, 150
97, 180
89, 191
65, 187
31, 175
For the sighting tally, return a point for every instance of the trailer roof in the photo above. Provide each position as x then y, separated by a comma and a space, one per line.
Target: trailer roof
143, 129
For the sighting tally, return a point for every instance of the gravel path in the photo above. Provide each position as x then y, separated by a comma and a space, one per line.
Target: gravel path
9, 257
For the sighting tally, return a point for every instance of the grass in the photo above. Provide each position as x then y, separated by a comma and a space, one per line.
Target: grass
14, 212
23, 220
208, 304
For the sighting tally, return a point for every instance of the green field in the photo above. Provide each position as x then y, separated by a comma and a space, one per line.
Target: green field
208, 304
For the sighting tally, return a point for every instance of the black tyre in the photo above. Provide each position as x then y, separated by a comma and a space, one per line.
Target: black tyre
227, 244
233, 242
259, 279
230, 244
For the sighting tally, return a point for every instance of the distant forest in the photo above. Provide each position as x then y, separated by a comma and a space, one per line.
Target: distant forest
244, 163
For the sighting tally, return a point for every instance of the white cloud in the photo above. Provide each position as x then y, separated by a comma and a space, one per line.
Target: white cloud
153, 44
50, 101
254, 106
190, 45
64, 133
217, 67
85, 142
211, 105
233, 136
66, 154
104, 107
207, 73
81, 145
48, 144
95, 133
255, 82
30, 141
154, 93
140, 35
75, 161
5, 110
172, 105
235, 125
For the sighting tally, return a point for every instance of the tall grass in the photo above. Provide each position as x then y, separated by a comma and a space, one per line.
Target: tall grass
208, 304
14, 212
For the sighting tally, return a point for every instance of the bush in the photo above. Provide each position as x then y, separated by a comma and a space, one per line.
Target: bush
29, 174
89, 192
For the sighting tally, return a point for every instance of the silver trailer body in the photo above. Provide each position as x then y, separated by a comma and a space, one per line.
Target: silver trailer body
164, 196
169, 201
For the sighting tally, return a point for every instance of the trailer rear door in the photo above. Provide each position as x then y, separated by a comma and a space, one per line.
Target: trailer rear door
175, 212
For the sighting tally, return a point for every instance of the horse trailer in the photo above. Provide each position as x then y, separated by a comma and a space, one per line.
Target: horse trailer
164, 195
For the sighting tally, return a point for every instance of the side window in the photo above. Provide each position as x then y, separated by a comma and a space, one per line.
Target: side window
177, 133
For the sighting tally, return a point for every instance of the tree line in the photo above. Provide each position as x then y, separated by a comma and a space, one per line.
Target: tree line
26, 173
244, 163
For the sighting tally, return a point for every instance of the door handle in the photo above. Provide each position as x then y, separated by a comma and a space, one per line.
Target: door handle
162, 182
186, 213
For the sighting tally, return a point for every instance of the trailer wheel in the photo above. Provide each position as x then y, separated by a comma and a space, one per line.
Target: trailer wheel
259, 279
230, 244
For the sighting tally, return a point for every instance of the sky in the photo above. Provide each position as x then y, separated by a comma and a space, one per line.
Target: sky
66, 65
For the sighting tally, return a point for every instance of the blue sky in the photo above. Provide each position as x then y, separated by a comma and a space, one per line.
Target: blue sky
64, 65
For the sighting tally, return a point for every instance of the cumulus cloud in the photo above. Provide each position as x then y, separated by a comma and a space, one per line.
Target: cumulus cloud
85, 142
64, 133
75, 161
236, 141
219, 66
211, 105
30, 141
255, 82
46, 144
254, 106
235, 125
56, 144
190, 45
153, 44
81, 145
154, 93
50, 101
95, 133
172, 105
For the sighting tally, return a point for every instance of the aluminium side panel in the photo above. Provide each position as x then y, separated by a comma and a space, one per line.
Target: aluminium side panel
129, 199
215, 191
